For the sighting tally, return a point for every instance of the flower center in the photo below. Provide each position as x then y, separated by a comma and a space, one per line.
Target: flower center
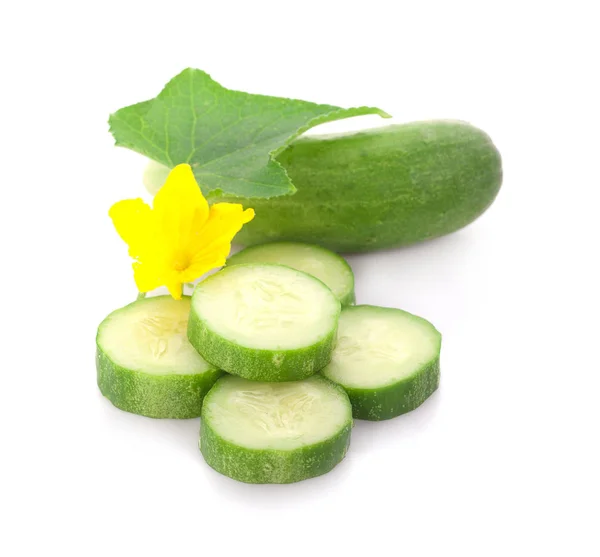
181, 263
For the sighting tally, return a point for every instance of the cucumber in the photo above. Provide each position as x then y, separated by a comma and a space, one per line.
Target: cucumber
145, 363
387, 360
380, 188
319, 262
264, 322
275, 432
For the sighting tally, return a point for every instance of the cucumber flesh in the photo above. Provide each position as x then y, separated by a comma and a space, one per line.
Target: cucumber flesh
319, 262
275, 432
264, 322
146, 364
386, 359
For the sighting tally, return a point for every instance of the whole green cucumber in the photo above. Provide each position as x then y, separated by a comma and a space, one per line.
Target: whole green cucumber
380, 188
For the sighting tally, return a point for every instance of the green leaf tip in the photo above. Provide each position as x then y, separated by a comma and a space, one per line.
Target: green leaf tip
230, 138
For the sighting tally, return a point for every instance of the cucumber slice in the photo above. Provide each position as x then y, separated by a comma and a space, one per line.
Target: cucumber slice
264, 322
319, 262
386, 359
275, 432
145, 363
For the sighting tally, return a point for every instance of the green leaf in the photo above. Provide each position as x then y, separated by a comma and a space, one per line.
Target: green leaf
230, 138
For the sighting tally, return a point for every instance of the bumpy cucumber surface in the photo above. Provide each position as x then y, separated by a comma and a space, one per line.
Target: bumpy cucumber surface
264, 322
380, 188
275, 432
319, 262
146, 365
387, 360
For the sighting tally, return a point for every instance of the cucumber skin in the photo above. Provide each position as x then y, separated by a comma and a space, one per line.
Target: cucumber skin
348, 300
154, 396
257, 364
380, 188
399, 398
263, 466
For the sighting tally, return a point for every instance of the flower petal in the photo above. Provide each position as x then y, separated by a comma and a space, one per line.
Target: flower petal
224, 222
201, 265
212, 246
146, 277
179, 208
133, 221
175, 289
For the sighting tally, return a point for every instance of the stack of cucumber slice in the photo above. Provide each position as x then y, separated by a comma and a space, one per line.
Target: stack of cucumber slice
273, 356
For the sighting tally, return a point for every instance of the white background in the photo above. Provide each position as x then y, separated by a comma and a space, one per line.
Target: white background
502, 460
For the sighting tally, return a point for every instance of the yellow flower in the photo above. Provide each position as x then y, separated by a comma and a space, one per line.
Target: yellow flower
180, 238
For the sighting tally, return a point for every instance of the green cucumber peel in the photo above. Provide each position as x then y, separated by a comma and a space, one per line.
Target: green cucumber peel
230, 138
